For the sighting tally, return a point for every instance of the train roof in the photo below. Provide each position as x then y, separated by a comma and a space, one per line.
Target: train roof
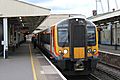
83, 17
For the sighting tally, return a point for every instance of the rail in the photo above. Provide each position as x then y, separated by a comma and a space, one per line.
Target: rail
109, 73
93, 77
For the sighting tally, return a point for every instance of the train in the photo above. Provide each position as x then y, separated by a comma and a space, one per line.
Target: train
72, 44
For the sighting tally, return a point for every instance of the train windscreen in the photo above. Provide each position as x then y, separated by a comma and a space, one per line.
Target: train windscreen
63, 37
91, 35
77, 33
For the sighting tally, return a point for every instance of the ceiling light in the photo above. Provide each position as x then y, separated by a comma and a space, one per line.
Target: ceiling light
20, 17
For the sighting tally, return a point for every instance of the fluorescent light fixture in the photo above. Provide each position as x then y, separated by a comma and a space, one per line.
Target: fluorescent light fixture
20, 17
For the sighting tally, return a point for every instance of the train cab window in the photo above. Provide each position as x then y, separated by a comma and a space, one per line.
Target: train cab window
91, 34
63, 34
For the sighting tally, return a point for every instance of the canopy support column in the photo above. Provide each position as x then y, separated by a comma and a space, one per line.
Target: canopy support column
5, 33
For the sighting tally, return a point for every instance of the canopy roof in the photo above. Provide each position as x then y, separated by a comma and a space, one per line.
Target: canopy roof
23, 14
104, 16
14, 8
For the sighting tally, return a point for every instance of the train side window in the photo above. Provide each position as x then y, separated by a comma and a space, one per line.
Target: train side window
91, 34
63, 33
45, 38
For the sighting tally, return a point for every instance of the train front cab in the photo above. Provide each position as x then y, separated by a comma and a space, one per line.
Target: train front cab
76, 46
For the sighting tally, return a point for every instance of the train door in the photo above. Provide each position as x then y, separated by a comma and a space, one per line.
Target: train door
78, 43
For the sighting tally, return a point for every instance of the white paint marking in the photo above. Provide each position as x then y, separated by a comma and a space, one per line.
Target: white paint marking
55, 68
49, 70
39, 56
42, 72
109, 53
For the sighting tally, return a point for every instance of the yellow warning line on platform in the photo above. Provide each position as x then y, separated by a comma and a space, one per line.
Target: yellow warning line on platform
32, 63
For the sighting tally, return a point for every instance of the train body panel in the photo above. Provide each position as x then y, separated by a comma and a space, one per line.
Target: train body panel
73, 44
79, 53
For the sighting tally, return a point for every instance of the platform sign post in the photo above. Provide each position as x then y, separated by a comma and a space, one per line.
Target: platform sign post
5, 32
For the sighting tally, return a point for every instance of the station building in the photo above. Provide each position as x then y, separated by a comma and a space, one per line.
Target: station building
110, 23
18, 18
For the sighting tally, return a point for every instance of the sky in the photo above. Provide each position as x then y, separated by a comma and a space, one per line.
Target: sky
84, 7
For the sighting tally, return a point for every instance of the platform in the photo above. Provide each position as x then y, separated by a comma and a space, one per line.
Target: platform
110, 49
27, 63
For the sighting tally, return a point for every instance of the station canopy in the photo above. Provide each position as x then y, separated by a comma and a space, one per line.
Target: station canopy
24, 15
112, 16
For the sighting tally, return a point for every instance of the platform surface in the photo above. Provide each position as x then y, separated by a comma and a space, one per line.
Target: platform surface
27, 63
110, 49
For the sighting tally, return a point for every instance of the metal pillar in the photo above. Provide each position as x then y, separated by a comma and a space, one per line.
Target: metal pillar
96, 5
116, 4
108, 5
5, 29
115, 36
111, 32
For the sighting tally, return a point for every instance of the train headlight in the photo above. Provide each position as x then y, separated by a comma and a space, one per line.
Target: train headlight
60, 51
89, 50
65, 51
94, 50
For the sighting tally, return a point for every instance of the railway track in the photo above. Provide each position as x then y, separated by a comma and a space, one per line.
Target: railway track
93, 77
109, 65
108, 72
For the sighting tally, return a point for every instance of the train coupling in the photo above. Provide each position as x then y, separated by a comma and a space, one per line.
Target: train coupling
79, 66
